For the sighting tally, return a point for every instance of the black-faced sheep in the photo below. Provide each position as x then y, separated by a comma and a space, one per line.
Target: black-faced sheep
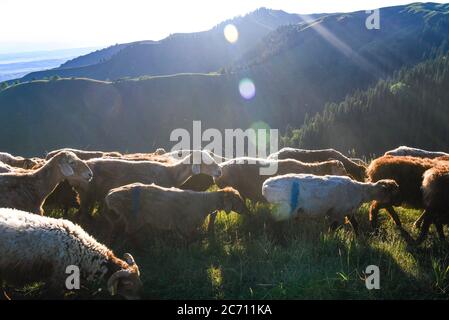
35, 248
182, 211
333, 196
28, 190
355, 170
246, 174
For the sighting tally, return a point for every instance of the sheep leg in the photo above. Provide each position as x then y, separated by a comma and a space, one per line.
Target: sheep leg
427, 221
211, 225
351, 220
374, 214
394, 216
418, 223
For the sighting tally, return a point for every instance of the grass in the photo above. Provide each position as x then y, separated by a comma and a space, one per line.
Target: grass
251, 258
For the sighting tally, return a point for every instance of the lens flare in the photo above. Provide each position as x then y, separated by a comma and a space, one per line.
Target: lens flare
247, 88
231, 33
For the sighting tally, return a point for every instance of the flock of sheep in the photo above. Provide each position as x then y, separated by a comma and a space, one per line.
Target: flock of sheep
167, 191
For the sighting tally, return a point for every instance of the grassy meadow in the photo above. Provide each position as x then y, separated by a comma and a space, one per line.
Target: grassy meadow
252, 258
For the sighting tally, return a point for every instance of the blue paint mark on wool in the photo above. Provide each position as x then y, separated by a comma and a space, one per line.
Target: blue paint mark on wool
135, 195
294, 196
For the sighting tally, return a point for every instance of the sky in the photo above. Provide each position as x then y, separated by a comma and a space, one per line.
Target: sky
31, 25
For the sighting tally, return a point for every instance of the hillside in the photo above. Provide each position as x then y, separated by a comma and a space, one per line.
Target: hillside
410, 109
302, 68
94, 57
328, 59
179, 53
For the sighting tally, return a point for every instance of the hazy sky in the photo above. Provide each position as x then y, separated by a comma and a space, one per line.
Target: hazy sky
49, 24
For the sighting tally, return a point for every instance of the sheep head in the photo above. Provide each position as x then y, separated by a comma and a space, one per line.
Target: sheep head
202, 162
386, 191
338, 168
30, 163
233, 201
71, 167
126, 282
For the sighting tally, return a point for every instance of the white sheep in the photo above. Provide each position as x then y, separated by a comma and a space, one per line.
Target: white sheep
415, 152
28, 189
332, 196
35, 248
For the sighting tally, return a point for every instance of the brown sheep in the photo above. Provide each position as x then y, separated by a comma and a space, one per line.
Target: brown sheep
435, 188
28, 190
84, 154
182, 211
113, 173
244, 174
408, 173
19, 162
356, 171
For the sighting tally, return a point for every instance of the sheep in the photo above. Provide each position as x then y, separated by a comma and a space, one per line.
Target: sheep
435, 187
355, 170
85, 155
113, 173
28, 190
199, 182
414, 152
334, 196
182, 211
5, 168
19, 162
35, 248
244, 174
407, 172
63, 197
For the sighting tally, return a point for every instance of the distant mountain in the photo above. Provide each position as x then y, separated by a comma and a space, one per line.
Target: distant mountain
296, 70
17, 64
17, 70
410, 109
179, 53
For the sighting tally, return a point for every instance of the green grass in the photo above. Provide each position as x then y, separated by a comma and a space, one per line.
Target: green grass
249, 259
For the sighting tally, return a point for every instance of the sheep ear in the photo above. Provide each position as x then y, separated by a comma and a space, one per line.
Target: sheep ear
66, 170
196, 169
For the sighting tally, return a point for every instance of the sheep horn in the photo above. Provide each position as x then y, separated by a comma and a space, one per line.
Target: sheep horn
113, 280
129, 259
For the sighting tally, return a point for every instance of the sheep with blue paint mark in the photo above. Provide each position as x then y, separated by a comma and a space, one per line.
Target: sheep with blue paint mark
138, 205
247, 174
333, 196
